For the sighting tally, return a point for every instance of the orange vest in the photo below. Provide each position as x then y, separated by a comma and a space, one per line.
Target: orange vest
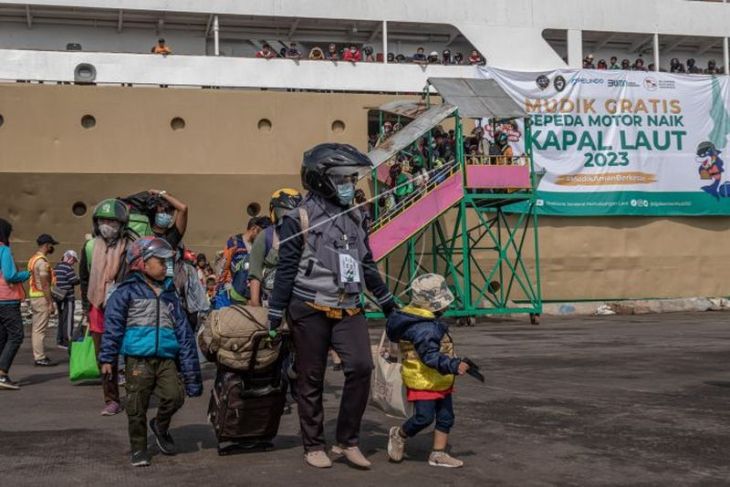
36, 291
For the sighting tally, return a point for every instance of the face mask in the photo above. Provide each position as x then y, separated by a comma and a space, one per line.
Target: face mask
345, 193
163, 220
108, 231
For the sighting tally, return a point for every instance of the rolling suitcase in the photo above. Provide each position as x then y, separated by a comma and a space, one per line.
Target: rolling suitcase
245, 407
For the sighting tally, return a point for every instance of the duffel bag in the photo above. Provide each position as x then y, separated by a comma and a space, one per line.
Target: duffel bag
227, 337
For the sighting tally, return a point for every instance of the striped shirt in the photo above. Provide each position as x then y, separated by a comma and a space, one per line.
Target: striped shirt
66, 277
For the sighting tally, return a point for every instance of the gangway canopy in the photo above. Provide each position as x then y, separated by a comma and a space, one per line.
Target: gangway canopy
410, 133
403, 108
478, 98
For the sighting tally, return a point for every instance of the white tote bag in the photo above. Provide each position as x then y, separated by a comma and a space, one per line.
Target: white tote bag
387, 391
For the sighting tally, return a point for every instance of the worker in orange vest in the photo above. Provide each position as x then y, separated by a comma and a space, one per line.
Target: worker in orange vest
41, 301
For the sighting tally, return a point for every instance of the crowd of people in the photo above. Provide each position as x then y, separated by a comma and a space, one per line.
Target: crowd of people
432, 157
306, 265
353, 53
675, 65
356, 53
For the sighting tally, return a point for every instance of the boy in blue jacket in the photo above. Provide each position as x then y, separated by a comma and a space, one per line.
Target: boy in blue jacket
429, 367
145, 323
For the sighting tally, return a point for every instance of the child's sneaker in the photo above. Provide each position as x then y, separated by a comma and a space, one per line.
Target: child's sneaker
396, 444
141, 458
111, 409
443, 459
163, 438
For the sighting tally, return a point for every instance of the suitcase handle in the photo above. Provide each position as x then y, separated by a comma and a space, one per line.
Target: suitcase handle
257, 338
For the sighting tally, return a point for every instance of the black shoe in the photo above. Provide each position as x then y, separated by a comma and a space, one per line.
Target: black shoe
7, 383
45, 362
163, 439
141, 458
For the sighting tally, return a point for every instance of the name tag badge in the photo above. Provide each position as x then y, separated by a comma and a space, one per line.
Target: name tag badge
349, 269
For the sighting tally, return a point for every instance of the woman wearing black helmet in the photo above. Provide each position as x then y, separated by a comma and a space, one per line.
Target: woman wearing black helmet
324, 264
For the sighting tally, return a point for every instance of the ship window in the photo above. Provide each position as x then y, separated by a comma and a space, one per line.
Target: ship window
338, 126
2, 120
265, 125
253, 209
177, 123
88, 121
79, 208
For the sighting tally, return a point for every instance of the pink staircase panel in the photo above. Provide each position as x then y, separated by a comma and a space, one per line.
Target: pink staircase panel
387, 238
497, 176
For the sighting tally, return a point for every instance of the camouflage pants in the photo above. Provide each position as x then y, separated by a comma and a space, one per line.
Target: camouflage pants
147, 376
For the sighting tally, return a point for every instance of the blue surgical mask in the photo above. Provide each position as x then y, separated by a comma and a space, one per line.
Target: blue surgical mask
345, 193
163, 220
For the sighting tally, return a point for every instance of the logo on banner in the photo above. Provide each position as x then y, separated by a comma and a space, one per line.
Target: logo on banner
559, 83
651, 84
542, 82
622, 83
586, 81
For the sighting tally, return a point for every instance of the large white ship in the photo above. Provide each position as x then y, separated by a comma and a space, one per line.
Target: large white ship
87, 111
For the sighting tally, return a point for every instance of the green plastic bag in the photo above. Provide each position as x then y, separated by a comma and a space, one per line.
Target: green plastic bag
82, 365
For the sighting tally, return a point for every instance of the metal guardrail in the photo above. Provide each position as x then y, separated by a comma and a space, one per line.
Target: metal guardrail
483, 160
436, 180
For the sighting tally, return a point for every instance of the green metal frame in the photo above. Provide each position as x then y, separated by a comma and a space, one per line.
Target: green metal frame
482, 253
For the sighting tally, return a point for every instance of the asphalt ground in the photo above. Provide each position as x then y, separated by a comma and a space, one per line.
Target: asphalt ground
615, 400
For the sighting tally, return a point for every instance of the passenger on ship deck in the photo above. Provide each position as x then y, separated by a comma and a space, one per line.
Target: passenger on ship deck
420, 57
391, 57
675, 66
602, 64
332, 54
459, 58
476, 58
368, 55
324, 266
712, 67
316, 54
614, 63
433, 58
161, 48
266, 52
639, 65
446, 57
588, 62
293, 52
352, 54
626, 65
692, 67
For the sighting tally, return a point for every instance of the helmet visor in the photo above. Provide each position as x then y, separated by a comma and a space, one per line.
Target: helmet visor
343, 175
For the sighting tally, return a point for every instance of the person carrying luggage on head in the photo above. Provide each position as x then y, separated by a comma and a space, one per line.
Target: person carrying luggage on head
325, 263
264, 255
147, 325
102, 268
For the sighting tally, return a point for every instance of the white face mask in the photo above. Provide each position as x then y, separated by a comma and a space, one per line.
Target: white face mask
108, 231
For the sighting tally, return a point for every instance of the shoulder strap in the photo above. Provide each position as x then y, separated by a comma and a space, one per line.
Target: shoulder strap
275, 240
303, 220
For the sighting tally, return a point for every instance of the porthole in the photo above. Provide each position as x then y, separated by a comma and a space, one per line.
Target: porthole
88, 121
265, 125
177, 123
253, 209
79, 208
2, 120
338, 126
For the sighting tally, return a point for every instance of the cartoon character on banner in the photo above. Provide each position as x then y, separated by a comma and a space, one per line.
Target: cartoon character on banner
711, 167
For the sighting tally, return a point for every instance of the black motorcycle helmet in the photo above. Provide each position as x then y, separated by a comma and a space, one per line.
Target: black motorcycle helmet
324, 161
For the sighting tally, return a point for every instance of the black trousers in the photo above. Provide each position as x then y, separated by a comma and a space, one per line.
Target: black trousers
66, 308
11, 334
314, 333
